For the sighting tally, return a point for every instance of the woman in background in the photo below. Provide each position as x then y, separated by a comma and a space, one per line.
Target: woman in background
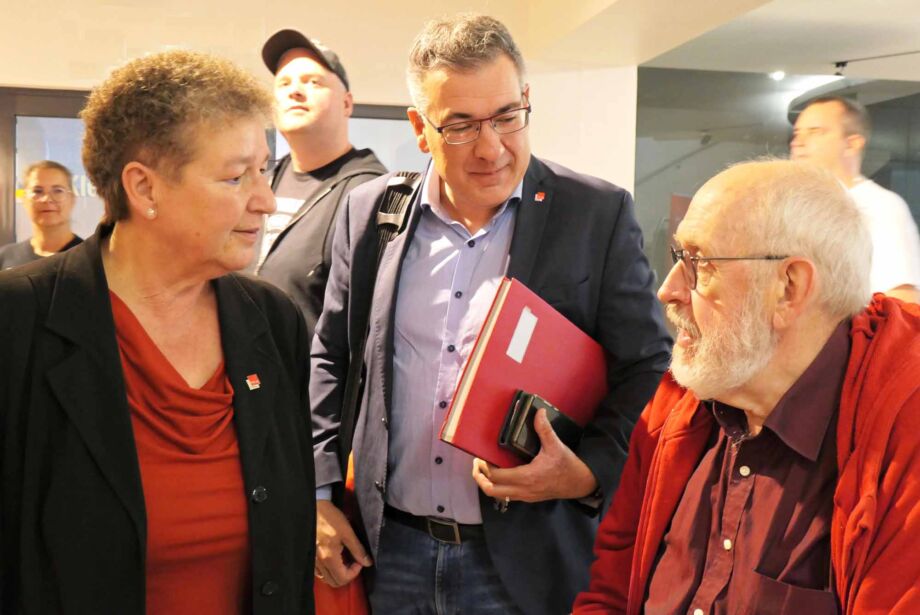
154, 439
49, 200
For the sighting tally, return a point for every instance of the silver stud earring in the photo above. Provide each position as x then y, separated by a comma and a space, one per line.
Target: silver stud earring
151, 213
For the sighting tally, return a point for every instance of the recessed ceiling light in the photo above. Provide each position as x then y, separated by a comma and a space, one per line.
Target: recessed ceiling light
778, 75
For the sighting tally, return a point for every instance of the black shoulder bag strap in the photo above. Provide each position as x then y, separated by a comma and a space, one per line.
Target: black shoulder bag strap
391, 220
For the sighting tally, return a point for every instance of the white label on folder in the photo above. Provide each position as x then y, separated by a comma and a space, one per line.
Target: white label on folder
522, 333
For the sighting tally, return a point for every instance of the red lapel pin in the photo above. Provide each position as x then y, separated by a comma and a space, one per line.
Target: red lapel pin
538, 197
252, 381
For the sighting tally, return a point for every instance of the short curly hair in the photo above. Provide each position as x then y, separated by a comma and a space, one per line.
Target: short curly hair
150, 111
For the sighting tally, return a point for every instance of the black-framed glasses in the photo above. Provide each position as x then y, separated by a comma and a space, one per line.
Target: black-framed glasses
690, 262
55, 194
467, 131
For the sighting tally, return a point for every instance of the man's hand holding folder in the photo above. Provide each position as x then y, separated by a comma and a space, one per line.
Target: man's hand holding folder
555, 473
525, 345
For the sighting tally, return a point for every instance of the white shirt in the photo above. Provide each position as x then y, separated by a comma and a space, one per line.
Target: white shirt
895, 240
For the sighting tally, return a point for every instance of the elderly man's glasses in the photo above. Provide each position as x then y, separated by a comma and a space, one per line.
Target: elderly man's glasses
55, 194
691, 262
467, 131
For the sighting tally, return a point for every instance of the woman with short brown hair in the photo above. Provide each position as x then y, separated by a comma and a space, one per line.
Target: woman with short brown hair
153, 405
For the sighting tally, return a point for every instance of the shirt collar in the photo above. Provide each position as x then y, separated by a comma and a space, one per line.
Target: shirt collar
803, 414
431, 197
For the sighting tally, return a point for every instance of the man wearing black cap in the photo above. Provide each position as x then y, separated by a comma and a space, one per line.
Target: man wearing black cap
314, 104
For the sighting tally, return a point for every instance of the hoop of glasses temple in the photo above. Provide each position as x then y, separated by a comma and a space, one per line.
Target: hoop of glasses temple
679, 255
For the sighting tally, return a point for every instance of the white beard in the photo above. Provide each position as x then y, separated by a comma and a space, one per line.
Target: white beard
727, 358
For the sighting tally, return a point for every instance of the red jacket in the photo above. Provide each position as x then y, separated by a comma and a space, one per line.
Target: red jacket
876, 519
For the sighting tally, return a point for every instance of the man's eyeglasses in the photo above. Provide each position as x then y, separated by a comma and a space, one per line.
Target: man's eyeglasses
467, 131
55, 194
691, 262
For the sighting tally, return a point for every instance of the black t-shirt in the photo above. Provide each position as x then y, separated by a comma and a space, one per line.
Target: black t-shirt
16, 254
292, 190
298, 261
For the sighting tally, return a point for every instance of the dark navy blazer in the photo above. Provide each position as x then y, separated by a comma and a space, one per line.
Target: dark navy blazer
580, 248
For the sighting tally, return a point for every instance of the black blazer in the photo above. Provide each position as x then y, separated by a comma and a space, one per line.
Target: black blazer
72, 514
579, 247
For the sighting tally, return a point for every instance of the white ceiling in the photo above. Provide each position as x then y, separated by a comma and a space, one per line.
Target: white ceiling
809, 37
721, 91
73, 44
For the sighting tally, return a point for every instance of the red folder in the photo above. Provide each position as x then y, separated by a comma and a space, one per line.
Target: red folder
524, 344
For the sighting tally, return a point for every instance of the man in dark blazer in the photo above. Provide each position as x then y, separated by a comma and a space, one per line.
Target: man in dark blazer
447, 533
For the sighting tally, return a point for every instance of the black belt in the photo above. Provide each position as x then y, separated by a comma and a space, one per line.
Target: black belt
445, 530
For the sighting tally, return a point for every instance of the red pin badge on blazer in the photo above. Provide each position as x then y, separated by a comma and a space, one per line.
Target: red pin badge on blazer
538, 197
252, 381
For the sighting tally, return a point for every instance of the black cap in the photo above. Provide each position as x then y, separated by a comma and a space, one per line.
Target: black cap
283, 41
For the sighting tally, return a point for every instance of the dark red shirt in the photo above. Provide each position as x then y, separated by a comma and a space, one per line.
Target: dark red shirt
198, 559
752, 531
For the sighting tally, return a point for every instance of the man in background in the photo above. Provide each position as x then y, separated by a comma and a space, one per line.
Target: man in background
313, 106
832, 132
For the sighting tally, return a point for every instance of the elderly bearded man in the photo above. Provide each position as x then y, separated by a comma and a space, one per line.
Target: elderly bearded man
780, 475
486, 204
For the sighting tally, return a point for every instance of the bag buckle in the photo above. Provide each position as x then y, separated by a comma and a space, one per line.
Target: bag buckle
444, 530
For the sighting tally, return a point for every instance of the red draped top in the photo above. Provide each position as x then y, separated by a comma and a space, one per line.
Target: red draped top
197, 548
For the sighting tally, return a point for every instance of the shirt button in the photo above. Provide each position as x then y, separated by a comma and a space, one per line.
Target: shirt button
269, 588
440, 509
259, 494
458, 294
383, 420
744, 471
471, 243
451, 348
727, 544
442, 404
439, 460
698, 612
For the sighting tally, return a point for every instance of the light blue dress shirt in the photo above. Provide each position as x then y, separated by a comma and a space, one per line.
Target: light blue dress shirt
448, 281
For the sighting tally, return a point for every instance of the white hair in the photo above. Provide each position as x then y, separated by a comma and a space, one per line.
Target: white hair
798, 209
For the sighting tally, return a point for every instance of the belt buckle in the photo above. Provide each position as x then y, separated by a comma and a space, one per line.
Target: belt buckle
436, 529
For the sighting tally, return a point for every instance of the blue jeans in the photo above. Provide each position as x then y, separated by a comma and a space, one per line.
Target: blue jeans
418, 575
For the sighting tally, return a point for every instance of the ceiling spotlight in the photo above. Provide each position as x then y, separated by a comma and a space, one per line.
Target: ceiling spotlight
778, 75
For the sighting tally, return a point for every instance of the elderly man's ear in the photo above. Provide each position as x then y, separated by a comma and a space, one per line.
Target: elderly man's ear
795, 288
